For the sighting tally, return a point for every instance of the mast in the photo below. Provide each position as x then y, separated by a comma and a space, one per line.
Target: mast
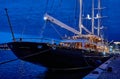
61, 24
10, 24
92, 16
80, 17
99, 15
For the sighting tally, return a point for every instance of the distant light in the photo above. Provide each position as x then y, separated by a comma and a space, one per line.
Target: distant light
111, 46
88, 16
99, 39
104, 53
117, 42
97, 15
45, 18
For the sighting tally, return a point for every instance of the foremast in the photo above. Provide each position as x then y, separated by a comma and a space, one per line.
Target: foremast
80, 17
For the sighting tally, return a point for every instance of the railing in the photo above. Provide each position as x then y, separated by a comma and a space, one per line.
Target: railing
46, 40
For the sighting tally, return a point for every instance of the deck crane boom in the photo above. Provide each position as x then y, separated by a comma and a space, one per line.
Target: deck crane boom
59, 23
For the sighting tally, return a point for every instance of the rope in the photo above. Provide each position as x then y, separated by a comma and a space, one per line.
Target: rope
75, 11
23, 31
47, 1
58, 6
60, 3
86, 61
8, 61
24, 57
57, 31
76, 68
76, 8
52, 6
42, 30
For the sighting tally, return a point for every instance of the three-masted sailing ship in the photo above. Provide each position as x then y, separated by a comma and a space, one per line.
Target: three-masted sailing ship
80, 51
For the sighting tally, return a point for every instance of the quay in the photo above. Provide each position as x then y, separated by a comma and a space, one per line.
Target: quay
4, 46
115, 72
108, 70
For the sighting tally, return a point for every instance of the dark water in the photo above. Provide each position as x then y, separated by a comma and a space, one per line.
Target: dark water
24, 70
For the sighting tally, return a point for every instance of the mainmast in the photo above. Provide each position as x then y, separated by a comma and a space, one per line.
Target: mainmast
80, 17
99, 16
93, 17
61, 24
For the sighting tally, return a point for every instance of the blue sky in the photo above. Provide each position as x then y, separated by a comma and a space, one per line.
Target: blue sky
27, 17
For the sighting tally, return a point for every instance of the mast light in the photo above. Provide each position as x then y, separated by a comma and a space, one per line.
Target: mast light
45, 18
88, 16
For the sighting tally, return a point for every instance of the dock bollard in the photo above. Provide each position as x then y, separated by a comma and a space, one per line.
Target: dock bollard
109, 69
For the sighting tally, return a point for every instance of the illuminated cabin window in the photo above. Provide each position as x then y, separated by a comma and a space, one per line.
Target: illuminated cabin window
78, 45
87, 45
90, 46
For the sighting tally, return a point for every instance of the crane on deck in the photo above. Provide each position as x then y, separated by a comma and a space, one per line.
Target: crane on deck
61, 24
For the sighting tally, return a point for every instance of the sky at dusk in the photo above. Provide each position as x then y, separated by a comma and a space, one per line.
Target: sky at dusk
26, 17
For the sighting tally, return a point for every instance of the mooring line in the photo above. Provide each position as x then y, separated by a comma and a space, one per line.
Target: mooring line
4, 62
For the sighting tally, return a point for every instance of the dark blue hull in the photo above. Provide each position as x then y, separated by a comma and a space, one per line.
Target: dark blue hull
56, 57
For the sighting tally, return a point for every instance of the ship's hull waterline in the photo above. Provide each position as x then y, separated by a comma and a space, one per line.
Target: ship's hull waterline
56, 57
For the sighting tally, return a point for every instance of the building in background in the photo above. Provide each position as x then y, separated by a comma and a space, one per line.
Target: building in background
115, 47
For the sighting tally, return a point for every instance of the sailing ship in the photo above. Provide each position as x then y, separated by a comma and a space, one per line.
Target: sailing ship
81, 51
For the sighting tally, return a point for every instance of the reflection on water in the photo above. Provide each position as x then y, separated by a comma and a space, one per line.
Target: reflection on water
24, 70
18, 69
75, 74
